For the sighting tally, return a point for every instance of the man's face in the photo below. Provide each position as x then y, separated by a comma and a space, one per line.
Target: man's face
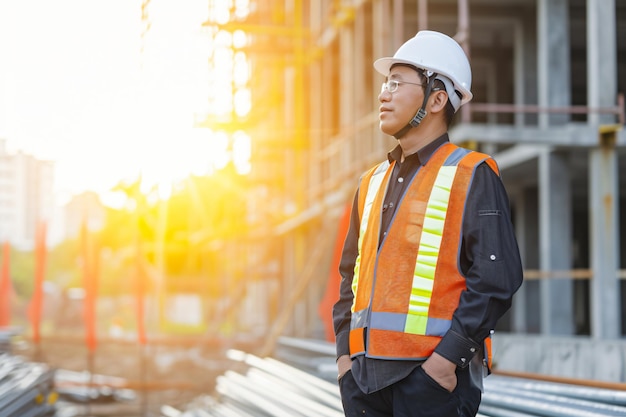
397, 108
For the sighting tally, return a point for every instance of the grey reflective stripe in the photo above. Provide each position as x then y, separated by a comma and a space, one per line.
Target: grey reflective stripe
388, 321
438, 327
396, 322
455, 157
358, 319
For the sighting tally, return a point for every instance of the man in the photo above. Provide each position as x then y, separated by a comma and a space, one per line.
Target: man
430, 262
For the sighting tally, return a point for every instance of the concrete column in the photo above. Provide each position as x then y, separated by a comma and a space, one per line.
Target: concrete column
604, 245
346, 74
519, 323
530, 257
555, 237
525, 64
346, 90
382, 42
601, 58
493, 74
316, 105
362, 94
519, 81
422, 14
398, 24
382, 45
553, 59
603, 172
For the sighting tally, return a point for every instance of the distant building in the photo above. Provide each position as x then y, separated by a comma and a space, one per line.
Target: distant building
26, 196
84, 207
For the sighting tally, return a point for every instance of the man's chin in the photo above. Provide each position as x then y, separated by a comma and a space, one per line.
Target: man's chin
386, 129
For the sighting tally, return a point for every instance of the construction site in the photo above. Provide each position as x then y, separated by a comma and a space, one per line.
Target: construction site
548, 82
548, 78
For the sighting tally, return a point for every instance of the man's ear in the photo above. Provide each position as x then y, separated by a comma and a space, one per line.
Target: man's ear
438, 100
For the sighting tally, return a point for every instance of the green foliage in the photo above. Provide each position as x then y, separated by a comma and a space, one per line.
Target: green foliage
63, 264
181, 237
21, 273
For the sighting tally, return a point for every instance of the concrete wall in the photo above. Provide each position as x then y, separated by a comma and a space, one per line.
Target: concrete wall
568, 357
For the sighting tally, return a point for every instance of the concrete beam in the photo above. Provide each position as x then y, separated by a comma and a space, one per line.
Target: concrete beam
517, 155
572, 134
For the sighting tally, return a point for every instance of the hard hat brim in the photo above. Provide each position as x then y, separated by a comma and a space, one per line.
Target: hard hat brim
383, 65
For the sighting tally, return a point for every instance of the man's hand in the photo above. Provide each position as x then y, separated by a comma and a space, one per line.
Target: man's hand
344, 363
441, 370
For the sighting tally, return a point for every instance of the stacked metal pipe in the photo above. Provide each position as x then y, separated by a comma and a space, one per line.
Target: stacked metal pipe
267, 387
26, 388
511, 397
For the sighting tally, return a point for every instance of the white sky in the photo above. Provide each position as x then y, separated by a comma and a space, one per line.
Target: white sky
75, 89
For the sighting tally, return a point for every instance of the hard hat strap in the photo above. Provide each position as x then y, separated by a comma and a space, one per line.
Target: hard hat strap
421, 113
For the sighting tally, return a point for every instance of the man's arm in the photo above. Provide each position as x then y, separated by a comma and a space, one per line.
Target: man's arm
341, 309
491, 263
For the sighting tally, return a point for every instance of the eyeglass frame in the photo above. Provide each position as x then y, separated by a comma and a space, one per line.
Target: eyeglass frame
385, 86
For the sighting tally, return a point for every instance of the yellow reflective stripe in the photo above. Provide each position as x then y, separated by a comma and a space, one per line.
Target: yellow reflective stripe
415, 322
372, 189
428, 251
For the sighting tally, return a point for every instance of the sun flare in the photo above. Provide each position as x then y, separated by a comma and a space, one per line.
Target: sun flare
186, 75
114, 106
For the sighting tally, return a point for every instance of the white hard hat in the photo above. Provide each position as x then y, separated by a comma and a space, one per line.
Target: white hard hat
439, 53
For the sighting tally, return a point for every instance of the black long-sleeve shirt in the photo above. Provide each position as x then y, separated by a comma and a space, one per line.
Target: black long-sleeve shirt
489, 260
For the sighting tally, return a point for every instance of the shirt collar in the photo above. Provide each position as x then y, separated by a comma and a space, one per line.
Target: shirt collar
422, 155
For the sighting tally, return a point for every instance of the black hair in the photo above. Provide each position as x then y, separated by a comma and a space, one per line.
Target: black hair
448, 111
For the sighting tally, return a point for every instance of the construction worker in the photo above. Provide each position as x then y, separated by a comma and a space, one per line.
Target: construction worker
430, 262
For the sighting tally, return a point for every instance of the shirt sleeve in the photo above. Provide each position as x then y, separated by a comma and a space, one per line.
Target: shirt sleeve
490, 261
342, 308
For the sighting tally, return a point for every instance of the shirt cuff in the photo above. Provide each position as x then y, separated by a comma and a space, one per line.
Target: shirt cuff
342, 340
457, 349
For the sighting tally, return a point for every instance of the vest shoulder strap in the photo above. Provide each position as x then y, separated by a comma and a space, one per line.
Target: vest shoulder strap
366, 180
474, 158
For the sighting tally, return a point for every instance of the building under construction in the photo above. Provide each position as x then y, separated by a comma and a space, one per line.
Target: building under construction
237, 269
548, 77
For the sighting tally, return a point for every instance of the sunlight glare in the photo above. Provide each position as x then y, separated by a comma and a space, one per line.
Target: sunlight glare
242, 8
223, 39
111, 106
242, 150
242, 102
240, 69
240, 39
221, 12
220, 148
175, 87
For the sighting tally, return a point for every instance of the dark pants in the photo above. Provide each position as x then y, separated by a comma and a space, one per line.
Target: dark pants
417, 395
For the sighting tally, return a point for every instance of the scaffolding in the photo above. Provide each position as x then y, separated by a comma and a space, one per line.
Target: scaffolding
547, 105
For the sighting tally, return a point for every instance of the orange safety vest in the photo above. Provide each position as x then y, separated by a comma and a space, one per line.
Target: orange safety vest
407, 288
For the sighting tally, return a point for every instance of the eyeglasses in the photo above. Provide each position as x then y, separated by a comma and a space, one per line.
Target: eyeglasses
392, 85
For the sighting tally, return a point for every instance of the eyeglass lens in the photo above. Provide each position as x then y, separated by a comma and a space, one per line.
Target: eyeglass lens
389, 85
